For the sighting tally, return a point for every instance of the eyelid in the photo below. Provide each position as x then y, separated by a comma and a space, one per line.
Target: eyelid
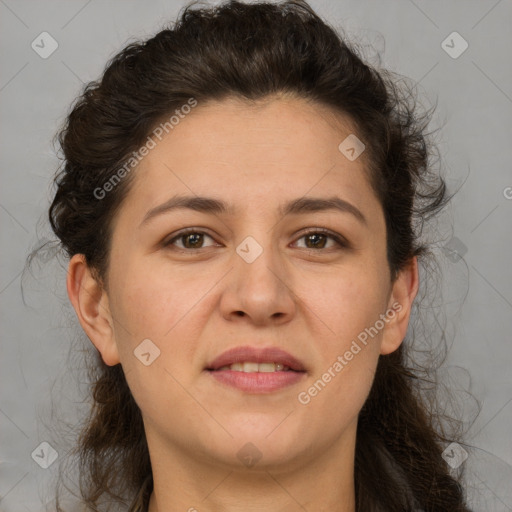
339, 239
175, 236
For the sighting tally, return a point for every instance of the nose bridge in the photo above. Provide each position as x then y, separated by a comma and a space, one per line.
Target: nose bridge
260, 287
259, 262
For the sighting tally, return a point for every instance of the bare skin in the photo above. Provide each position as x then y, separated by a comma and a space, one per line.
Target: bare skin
197, 297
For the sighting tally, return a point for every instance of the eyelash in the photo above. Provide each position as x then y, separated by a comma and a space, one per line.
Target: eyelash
342, 243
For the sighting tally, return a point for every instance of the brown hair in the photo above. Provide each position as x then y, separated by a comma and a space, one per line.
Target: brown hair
251, 51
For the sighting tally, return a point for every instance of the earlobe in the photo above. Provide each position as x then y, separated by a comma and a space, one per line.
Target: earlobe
90, 302
405, 288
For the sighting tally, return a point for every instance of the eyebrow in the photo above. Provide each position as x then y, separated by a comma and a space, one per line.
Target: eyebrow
216, 207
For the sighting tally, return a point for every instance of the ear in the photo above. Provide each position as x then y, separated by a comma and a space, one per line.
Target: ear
91, 305
405, 288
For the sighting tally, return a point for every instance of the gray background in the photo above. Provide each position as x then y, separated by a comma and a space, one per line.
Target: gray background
474, 93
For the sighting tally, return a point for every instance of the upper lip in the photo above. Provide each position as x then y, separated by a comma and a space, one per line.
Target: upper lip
256, 355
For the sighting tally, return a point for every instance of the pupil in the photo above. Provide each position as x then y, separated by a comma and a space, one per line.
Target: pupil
315, 244
195, 237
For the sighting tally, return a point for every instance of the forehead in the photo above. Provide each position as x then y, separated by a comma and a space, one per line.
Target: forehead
271, 131
260, 154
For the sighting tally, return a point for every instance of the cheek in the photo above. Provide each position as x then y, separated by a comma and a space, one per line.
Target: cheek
346, 303
169, 307
152, 303
347, 345
153, 318
347, 308
334, 399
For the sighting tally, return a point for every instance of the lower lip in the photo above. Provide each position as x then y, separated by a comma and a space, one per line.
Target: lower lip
257, 382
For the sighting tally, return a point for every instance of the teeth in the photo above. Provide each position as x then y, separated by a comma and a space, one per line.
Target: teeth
250, 367
265, 367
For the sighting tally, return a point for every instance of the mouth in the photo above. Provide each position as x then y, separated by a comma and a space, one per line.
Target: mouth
250, 360
254, 370
253, 367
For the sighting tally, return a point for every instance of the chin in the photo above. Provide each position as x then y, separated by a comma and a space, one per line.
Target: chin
268, 444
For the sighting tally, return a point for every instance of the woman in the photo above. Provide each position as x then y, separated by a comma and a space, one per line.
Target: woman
241, 202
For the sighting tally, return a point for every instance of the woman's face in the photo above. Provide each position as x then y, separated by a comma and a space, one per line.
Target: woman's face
257, 274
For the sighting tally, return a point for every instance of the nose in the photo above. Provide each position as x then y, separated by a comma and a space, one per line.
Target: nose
259, 290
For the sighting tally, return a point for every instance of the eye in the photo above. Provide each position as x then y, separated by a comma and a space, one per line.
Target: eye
189, 239
315, 239
318, 238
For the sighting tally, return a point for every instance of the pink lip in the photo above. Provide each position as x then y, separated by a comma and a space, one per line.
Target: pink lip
257, 382
256, 355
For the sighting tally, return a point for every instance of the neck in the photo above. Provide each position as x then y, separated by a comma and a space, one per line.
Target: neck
326, 482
